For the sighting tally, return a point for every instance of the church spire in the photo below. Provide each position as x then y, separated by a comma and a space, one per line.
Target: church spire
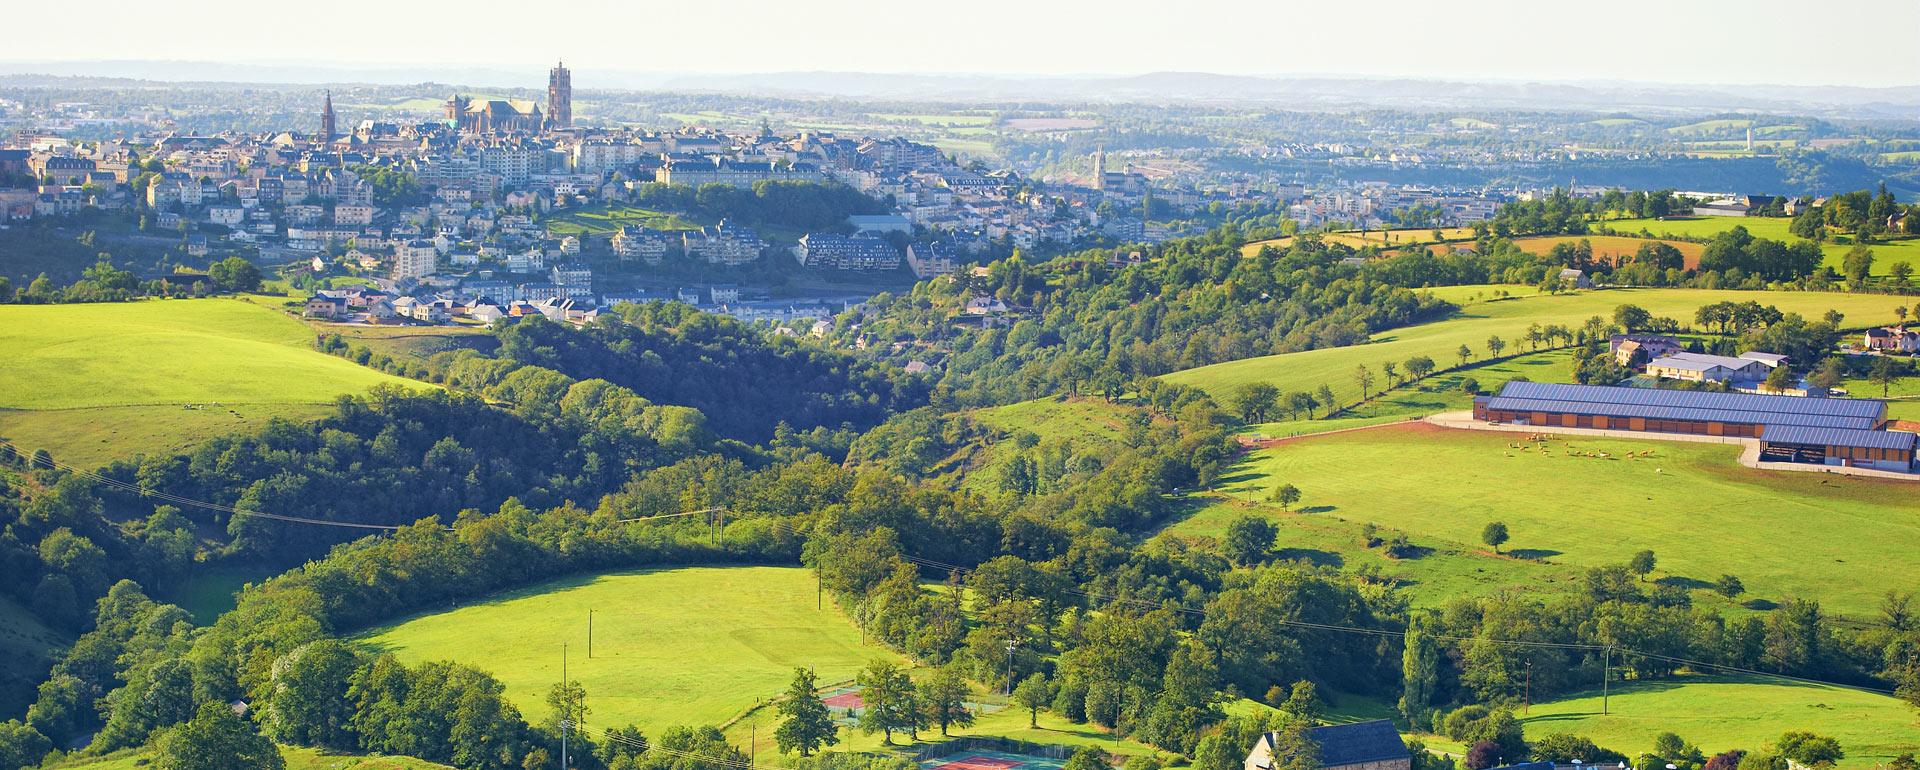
327, 119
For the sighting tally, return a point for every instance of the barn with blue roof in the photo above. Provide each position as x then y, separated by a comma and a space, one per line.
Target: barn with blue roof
1825, 431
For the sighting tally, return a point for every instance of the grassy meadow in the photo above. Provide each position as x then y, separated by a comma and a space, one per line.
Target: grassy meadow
1720, 713
1381, 238
1482, 317
604, 220
1574, 503
93, 382
297, 758
671, 647
1884, 254
28, 648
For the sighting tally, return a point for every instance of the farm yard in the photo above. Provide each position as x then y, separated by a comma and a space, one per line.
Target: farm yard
99, 381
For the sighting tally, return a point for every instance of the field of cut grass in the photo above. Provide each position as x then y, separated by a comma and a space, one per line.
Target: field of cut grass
1608, 246
1507, 318
601, 220
1719, 714
1884, 254
1584, 502
92, 382
1357, 239
689, 646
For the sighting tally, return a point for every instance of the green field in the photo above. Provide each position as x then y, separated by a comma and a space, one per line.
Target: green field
602, 220
1507, 318
91, 382
690, 646
1884, 254
1438, 393
28, 648
1841, 540
1719, 714
297, 757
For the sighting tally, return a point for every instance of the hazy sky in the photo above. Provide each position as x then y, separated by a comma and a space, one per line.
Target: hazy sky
1793, 42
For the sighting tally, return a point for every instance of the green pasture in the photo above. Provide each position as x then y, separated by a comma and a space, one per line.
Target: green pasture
1507, 318
601, 220
94, 382
1774, 228
686, 646
297, 758
1720, 713
1574, 503
28, 648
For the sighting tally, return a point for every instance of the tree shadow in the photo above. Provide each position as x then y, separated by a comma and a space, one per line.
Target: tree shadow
1687, 583
1533, 554
1760, 604
1312, 556
1408, 553
1317, 509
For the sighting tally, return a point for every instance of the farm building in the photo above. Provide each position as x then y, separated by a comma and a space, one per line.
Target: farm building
1700, 367
1647, 347
1373, 745
1827, 431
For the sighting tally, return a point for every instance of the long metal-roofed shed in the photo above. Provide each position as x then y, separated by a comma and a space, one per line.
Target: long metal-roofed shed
1818, 430
1883, 449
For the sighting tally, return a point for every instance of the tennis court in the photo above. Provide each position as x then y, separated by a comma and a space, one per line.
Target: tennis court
990, 760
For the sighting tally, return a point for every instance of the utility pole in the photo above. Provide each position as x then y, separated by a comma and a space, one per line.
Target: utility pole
1606, 673
1011, 645
566, 718
589, 634
819, 589
1527, 705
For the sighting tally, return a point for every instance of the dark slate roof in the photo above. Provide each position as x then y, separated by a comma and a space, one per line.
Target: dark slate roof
1651, 403
1359, 742
1869, 439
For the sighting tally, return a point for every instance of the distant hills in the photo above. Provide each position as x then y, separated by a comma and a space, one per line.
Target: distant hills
1301, 92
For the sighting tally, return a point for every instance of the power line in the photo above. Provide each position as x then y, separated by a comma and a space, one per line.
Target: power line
136, 489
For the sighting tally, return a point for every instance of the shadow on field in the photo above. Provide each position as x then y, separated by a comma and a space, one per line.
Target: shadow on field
1312, 556
1533, 554
1317, 509
1688, 583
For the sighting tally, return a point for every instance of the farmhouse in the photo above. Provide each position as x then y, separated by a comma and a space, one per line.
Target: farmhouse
1823, 431
1898, 339
1648, 347
1700, 367
1373, 745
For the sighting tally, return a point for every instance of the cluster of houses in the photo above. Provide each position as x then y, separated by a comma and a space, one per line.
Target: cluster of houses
1892, 339
1663, 357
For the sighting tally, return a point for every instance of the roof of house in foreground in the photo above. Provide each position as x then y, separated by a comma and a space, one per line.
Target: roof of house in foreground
1352, 744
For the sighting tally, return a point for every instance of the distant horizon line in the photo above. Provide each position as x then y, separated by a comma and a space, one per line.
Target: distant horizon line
14, 68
